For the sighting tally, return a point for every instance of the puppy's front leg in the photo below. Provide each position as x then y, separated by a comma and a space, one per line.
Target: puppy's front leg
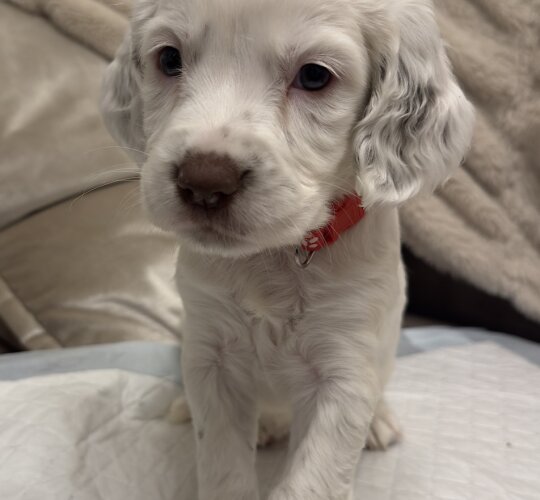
218, 378
335, 391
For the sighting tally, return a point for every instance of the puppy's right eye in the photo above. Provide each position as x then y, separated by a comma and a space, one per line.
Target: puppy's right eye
170, 61
312, 77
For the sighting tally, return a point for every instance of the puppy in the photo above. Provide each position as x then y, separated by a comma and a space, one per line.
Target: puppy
277, 138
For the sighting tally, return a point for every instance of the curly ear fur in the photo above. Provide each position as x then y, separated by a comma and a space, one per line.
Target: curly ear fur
121, 104
417, 124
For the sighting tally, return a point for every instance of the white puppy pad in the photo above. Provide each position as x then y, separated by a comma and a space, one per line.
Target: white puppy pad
97, 435
471, 419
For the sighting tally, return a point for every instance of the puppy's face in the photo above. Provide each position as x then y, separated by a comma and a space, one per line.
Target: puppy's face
248, 109
255, 114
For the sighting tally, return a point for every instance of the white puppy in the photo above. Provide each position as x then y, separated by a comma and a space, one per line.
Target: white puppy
253, 120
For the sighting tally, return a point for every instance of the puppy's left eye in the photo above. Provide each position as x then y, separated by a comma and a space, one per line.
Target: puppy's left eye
170, 61
312, 77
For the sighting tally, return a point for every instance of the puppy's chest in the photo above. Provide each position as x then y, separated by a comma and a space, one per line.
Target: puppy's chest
272, 294
275, 314
276, 299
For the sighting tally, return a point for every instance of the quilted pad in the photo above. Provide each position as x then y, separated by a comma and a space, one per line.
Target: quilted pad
471, 417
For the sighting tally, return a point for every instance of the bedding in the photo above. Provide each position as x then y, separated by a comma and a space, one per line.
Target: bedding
89, 271
488, 215
79, 264
52, 143
54, 149
92, 423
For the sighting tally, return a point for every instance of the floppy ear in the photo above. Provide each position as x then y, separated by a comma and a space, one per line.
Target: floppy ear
121, 103
417, 124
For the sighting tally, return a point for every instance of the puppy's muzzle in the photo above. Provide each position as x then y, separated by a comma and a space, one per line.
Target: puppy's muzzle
209, 180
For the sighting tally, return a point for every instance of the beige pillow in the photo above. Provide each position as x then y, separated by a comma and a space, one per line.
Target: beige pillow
73, 270
89, 271
52, 142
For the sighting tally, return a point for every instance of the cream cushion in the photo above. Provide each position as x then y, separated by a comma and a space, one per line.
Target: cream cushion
73, 269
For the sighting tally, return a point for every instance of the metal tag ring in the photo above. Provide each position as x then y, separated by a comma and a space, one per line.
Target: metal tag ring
303, 261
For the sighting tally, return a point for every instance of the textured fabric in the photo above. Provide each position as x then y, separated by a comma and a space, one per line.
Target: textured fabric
88, 271
484, 225
470, 433
15, 316
158, 359
74, 269
100, 24
162, 360
52, 141
488, 216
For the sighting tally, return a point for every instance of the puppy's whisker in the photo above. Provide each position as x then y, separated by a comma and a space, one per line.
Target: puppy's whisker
125, 148
130, 202
126, 166
96, 188
115, 172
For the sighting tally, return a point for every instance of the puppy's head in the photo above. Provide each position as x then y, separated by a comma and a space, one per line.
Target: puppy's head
250, 117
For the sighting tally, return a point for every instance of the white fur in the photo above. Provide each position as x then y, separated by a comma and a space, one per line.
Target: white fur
259, 329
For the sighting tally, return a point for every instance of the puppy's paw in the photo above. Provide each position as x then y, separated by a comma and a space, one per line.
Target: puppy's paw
273, 427
384, 430
179, 412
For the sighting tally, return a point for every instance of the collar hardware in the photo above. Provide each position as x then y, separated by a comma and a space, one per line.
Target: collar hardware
346, 213
302, 258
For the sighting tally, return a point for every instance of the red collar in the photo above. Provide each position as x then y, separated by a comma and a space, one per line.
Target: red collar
345, 214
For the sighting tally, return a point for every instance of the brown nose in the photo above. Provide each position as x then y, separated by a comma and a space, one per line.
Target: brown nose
208, 180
